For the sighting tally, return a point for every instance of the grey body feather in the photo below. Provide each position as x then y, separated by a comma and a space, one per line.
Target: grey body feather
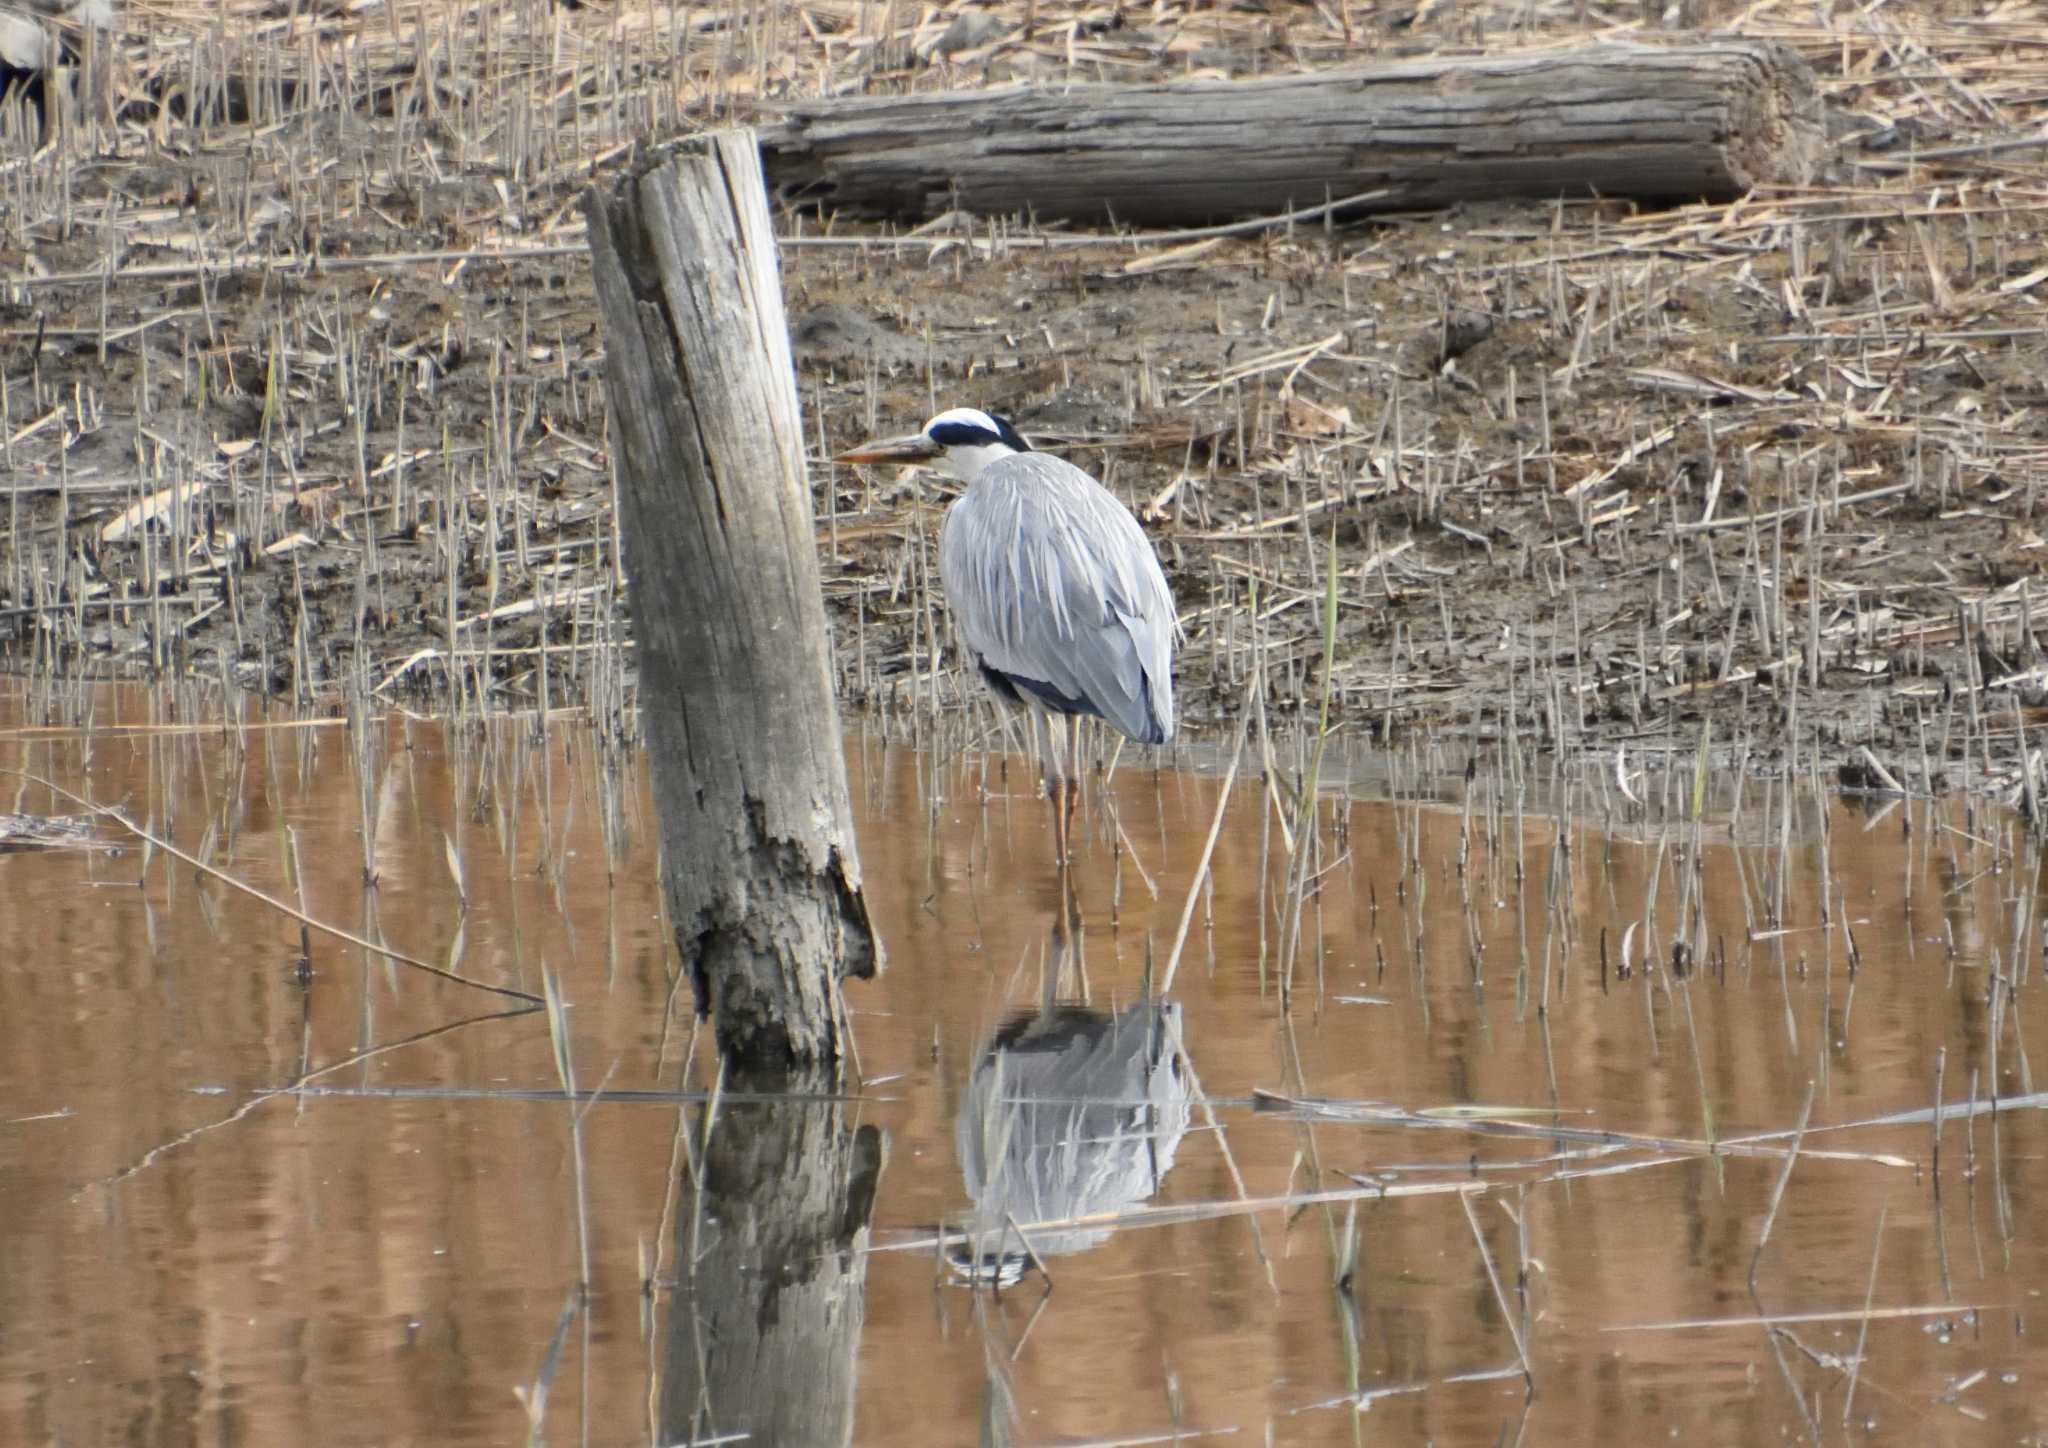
1054, 586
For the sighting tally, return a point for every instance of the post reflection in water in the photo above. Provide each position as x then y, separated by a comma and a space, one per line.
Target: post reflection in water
1073, 1114
771, 1271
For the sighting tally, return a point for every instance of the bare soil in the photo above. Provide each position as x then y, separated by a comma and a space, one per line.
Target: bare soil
304, 384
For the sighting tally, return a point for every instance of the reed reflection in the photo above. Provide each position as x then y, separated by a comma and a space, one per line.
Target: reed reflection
1073, 1115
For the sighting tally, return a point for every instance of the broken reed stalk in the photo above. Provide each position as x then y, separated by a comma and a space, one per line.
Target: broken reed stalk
565, 1071
1778, 1188
305, 921
1863, 1330
1302, 838
298, 1084
1500, 1295
533, 1396
1934, 1127
1187, 913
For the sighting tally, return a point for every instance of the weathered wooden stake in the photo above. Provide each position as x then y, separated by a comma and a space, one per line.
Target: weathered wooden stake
1709, 119
758, 860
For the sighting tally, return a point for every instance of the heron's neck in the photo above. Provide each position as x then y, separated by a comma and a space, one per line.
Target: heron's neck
966, 463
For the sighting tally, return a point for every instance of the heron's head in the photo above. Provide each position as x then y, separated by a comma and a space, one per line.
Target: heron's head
960, 442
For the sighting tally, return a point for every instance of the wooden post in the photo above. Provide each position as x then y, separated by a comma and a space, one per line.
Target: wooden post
1709, 119
759, 866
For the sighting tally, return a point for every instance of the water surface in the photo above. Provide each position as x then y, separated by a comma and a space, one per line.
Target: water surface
386, 1256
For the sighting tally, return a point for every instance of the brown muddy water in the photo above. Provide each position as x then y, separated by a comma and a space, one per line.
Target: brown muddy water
1293, 1232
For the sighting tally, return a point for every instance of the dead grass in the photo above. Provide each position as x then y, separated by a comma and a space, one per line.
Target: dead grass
302, 391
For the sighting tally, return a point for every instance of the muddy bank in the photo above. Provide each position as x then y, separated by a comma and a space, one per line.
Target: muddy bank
312, 418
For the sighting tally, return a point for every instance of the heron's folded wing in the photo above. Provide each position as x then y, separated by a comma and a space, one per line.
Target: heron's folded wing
1051, 580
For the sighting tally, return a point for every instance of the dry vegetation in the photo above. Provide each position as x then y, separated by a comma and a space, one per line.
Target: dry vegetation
302, 388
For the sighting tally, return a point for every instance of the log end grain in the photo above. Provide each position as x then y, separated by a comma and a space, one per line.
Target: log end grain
1778, 133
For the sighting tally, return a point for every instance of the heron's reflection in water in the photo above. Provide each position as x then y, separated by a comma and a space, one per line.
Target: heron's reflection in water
1073, 1115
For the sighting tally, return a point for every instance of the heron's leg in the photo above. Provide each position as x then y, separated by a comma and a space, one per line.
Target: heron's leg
1073, 769
1049, 763
1063, 822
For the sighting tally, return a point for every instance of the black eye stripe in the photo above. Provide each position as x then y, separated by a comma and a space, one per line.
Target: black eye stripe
963, 434
969, 434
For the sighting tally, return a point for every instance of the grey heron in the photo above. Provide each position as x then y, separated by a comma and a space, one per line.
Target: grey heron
1053, 587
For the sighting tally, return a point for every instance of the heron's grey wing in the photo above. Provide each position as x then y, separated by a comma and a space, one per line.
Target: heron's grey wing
1051, 580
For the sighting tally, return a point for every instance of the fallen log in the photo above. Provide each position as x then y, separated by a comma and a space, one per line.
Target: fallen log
1708, 120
